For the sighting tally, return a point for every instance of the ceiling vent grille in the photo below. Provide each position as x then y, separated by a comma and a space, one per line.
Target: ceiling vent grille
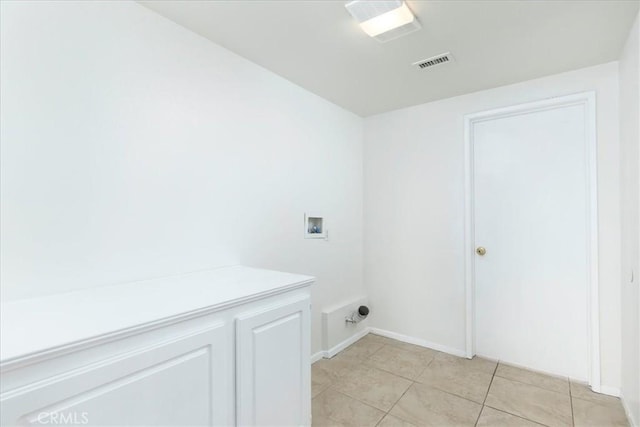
443, 58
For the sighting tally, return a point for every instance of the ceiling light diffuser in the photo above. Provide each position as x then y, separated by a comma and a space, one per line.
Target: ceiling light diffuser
383, 20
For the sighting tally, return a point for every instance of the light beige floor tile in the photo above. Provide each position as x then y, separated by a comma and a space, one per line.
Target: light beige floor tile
375, 339
582, 391
321, 376
391, 421
412, 347
319, 420
558, 384
492, 417
317, 388
588, 413
466, 378
362, 349
477, 364
426, 406
380, 339
373, 386
331, 408
468, 384
327, 371
322, 421
530, 402
408, 364
402, 345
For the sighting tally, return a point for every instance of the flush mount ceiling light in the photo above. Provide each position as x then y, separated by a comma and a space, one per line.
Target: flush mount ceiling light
383, 20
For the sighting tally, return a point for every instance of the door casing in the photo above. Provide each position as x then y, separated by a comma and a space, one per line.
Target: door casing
588, 101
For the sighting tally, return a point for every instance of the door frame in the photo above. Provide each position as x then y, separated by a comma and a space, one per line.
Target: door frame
588, 101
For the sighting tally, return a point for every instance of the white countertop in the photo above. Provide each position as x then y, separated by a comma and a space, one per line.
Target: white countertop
37, 325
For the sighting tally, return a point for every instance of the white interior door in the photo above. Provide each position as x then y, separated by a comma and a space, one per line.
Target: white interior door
531, 214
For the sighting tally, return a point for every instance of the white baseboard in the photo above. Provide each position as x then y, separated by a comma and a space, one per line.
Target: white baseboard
328, 354
346, 343
418, 342
627, 410
611, 391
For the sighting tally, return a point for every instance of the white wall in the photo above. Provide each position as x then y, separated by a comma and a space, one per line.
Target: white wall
133, 148
630, 199
414, 210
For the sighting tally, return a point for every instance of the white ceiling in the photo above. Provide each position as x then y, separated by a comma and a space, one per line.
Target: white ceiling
317, 45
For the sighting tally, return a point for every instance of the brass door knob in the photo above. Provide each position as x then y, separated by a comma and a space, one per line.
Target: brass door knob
481, 251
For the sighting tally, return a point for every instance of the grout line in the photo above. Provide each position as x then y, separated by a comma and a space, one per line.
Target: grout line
370, 364
399, 376
515, 415
393, 406
430, 361
381, 418
323, 390
573, 421
414, 382
491, 382
391, 373
378, 350
346, 395
356, 399
421, 372
487, 393
484, 403
364, 361
447, 392
532, 385
434, 387
378, 423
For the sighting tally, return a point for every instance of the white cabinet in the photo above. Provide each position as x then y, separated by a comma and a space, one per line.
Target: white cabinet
272, 362
168, 382
225, 347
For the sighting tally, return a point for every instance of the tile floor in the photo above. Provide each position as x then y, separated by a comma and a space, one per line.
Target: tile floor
383, 382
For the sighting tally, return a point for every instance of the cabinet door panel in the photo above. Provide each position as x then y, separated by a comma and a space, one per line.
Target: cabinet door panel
183, 381
272, 359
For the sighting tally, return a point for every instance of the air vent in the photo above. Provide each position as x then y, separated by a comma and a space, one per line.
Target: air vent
443, 58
